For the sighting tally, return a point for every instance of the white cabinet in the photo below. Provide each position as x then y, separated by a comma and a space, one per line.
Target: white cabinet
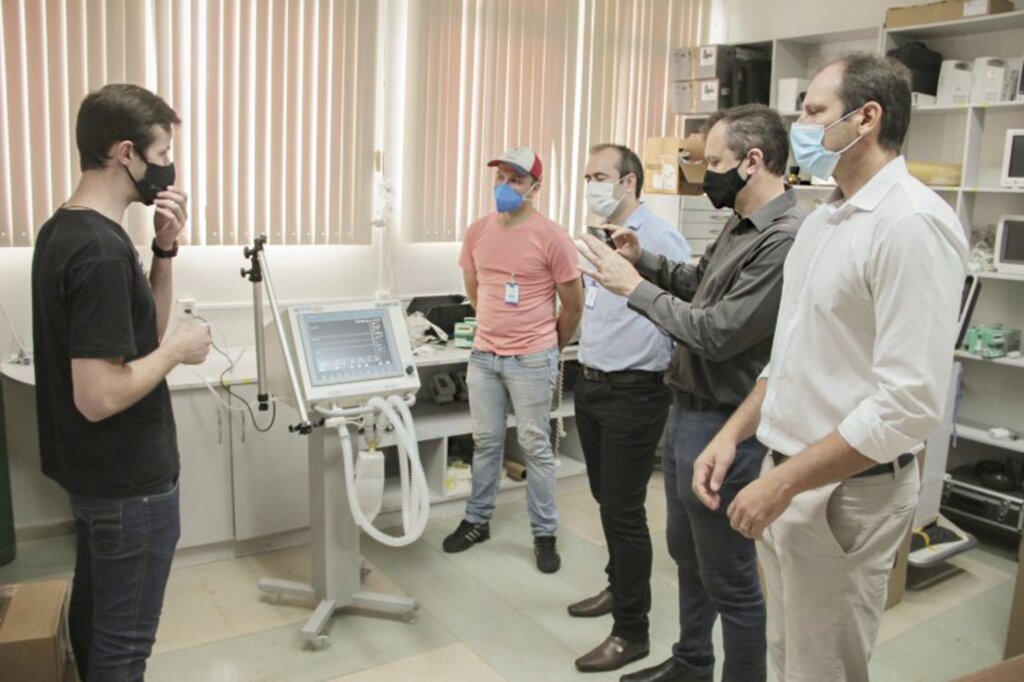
237, 483
693, 216
205, 480
271, 472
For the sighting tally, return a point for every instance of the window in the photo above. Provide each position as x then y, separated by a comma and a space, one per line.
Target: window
554, 75
277, 101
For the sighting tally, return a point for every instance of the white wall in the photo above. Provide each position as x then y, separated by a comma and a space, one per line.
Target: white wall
735, 21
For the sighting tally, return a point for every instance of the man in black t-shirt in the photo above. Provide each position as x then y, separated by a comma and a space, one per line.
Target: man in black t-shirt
106, 430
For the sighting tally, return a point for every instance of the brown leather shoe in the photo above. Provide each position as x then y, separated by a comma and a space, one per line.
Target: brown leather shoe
612, 654
592, 607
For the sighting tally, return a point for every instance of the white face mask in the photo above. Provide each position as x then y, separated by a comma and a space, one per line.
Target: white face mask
601, 198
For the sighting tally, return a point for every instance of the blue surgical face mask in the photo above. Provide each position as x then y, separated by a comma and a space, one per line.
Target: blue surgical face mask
507, 199
807, 141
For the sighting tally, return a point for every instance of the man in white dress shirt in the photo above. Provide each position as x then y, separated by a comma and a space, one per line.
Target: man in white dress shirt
856, 382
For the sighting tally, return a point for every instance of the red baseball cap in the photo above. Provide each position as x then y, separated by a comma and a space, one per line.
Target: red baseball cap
523, 159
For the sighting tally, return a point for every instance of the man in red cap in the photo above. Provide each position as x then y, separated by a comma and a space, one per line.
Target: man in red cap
515, 261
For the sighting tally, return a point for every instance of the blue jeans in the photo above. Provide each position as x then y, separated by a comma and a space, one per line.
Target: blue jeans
125, 547
528, 381
717, 566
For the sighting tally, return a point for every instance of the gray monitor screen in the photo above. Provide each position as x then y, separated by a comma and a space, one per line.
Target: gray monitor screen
1012, 250
344, 347
1017, 157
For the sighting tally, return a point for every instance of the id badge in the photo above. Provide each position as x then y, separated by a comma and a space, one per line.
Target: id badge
591, 297
512, 293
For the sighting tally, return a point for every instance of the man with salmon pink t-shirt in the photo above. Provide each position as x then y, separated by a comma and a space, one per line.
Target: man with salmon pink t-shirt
515, 263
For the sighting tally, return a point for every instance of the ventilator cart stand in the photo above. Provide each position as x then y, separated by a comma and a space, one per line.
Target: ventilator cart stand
350, 365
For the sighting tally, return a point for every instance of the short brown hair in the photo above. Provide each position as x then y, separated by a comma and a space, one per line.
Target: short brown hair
871, 78
116, 112
754, 126
629, 163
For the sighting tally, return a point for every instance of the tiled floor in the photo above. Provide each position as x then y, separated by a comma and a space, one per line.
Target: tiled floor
488, 615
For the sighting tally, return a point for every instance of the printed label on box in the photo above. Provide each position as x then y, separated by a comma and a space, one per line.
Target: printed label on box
973, 8
709, 91
707, 56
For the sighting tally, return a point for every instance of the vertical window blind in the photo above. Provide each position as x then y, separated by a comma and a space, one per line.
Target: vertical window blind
554, 75
277, 100
279, 103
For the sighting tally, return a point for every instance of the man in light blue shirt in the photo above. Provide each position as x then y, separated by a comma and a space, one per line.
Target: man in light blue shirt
622, 404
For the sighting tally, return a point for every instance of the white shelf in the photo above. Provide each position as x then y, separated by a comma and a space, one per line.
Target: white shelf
942, 109
850, 35
993, 190
1000, 276
570, 467
1000, 106
453, 419
448, 354
986, 24
962, 108
978, 433
1009, 362
829, 188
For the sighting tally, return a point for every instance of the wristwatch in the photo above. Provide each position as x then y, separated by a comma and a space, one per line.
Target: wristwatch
160, 253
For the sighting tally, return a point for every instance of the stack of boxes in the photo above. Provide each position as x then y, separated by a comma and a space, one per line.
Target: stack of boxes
712, 77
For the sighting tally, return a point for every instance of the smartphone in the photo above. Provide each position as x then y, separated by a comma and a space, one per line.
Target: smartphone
601, 234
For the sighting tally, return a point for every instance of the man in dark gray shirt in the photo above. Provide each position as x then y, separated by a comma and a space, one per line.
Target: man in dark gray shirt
722, 314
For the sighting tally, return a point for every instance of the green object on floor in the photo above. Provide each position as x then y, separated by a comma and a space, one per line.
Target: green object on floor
7, 546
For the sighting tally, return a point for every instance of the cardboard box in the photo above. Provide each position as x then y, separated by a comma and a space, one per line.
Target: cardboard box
707, 96
1012, 669
1015, 630
681, 64
693, 177
949, 10
661, 165
665, 174
682, 97
713, 61
34, 645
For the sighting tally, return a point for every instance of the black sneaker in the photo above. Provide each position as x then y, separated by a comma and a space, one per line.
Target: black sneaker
548, 560
466, 535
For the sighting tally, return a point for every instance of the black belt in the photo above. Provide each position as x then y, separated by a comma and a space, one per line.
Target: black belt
888, 468
628, 376
688, 401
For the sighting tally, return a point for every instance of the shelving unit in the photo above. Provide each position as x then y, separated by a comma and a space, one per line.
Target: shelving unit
438, 425
973, 136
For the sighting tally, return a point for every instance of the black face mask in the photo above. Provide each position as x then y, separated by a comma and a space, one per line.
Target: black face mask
722, 188
155, 180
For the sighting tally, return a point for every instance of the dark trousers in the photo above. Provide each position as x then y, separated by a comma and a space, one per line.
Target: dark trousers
717, 566
620, 426
123, 561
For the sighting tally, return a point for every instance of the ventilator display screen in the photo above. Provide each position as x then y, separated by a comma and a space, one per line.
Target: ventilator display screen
349, 346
